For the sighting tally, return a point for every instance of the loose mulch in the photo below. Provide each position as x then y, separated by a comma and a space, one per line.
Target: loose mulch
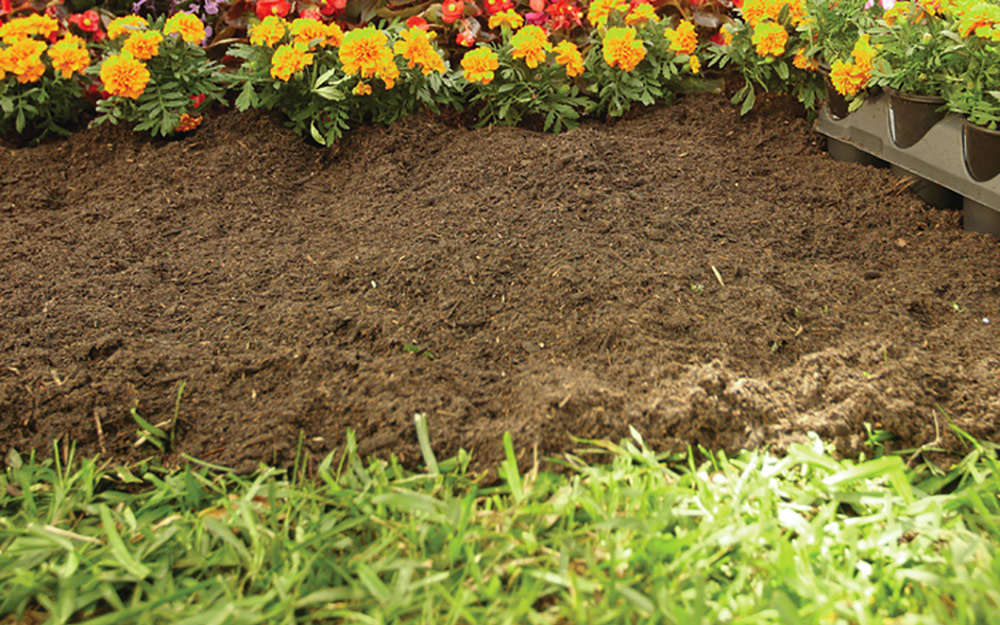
708, 279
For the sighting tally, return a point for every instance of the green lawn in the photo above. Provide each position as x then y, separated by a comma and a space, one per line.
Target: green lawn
628, 536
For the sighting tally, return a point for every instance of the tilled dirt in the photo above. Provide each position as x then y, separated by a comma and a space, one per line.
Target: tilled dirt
707, 279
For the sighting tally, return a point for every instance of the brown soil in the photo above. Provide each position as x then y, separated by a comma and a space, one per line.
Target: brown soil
498, 280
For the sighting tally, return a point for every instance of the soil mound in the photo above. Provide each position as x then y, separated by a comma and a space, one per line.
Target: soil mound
708, 279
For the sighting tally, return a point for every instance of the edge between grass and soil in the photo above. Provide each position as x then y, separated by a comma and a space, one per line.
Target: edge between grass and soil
619, 534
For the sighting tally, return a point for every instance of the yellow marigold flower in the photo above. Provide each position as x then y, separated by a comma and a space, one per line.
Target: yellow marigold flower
21, 27
187, 26
757, 11
863, 53
69, 55
364, 51
568, 55
479, 65
530, 43
362, 88
684, 40
599, 10
123, 75
510, 17
622, 49
892, 15
694, 64
640, 14
414, 45
289, 59
387, 70
143, 45
727, 36
770, 38
24, 59
801, 61
847, 78
334, 35
128, 24
268, 32
306, 30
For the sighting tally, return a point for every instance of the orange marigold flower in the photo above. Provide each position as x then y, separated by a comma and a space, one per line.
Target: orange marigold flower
24, 59
123, 75
143, 45
21, 27
757, 11
128, 24
863, 53
268, 32
334, 34
414, 45
641, 14
599, 10
622, 49
69, 55
387, 70
568, 55
695, 64
801, 61
510, 17
289, 59
479, 65
362, 88
847, 78
683, 40
364, 51
727, 36
530, 43
188, 26
305, 30
188, 123
770, 38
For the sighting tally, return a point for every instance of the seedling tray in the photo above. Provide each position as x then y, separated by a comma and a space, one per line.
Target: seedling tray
937, 157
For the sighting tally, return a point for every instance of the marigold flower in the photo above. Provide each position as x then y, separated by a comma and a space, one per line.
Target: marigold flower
415, 47
683, 40
289, 59
568, 55
510, 17
622, 49
530, 43
863, 53
847, 78
362, 88
128, 24
188, 123
600, 10
769, 38
305, 31
268, 32
124, 76
143, 45
334, 34
188, 26
479, 65
695, 64
726, 35
24, 59
801, 61
69, 55
21, 27
756, 11
641, 14
364, 50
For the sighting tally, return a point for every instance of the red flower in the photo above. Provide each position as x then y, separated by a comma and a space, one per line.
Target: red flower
496, 6
197, 101
451, 10
417, 22
564, 14
466, 38
717, 38
88, 21
311, 14
333, 7
272, 7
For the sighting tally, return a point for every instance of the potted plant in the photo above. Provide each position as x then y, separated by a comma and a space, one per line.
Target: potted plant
977, 96
919, 59
837, 32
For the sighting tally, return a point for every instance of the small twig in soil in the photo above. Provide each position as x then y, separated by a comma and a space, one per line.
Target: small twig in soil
718, 276
925, 446
100, 431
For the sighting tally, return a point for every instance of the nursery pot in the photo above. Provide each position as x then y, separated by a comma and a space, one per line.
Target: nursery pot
981, 148
836, 104
928, 191
911, 116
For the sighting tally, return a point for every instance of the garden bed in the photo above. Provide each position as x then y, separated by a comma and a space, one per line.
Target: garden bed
708, 279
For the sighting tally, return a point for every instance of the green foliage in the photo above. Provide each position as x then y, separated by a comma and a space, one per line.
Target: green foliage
917, 53
34, 111
646, 537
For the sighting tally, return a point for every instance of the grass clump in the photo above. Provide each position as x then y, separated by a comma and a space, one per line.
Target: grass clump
802, 538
